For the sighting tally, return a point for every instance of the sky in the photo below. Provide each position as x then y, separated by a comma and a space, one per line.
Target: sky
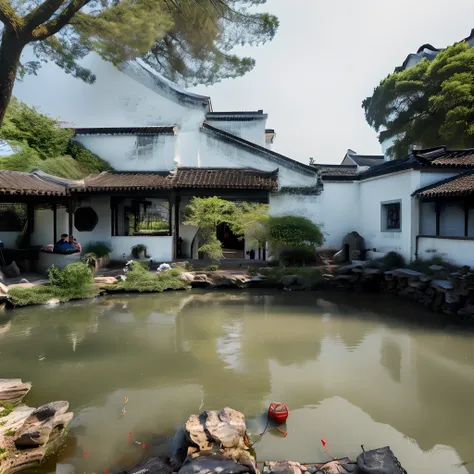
326, 58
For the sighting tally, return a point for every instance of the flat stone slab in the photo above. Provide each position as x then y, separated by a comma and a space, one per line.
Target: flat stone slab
442, 284
407, 273
371, 271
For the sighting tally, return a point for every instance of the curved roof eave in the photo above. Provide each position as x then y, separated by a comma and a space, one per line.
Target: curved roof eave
138, 70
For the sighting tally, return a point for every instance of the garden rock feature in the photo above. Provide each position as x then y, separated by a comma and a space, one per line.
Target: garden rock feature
28, 434
353, 246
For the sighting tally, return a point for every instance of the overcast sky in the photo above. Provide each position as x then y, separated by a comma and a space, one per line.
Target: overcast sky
328, 56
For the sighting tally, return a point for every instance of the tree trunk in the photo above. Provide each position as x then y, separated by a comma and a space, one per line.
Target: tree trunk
10, 53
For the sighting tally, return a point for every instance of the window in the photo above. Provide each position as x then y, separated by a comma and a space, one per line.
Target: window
391, 216
85, 219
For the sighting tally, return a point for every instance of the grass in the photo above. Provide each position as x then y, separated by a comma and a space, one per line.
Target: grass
213, 268
42, 294
141, 280
8, 408
3, 454
10, 432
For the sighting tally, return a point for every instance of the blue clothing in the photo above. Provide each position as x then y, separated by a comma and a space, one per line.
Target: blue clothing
62, 246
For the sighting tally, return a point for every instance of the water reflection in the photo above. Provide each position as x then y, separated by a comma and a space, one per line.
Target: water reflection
350, 369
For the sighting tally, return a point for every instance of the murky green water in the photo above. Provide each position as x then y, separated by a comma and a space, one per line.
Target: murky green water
356, 370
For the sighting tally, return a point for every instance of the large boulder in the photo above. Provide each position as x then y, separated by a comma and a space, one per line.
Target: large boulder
353, 246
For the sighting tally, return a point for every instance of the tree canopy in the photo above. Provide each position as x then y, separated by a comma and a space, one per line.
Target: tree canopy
188, 41
427, 105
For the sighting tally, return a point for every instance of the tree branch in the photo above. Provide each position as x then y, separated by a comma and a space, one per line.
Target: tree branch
42, 13
8, 16
52, 27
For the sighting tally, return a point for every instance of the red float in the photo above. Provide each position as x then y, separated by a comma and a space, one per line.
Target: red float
278, 412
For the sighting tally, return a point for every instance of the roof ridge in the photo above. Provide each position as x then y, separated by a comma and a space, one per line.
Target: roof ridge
258, 148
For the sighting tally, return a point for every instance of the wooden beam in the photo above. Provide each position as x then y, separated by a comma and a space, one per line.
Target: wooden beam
70, 211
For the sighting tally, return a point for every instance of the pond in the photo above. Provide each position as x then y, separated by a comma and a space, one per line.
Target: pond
355, 369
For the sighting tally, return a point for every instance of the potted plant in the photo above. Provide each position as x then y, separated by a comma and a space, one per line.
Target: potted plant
139, 251
101, 251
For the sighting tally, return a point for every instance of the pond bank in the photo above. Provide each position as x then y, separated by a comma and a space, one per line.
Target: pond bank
28, 435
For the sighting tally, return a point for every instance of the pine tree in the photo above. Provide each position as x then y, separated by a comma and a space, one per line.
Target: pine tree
428, 105
189, 41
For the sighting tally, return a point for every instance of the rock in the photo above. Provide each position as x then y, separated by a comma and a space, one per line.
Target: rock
120, 278
346, 269
23, 280
226, 427
42, 423
12, 270
406, 273
163, 267
339, 257
214, 463
186, 276
2, 276
288, 280
442, 285
283, 467
437, 268
105, 280
201, 280
371, 271
157, 465
53, 302
13, 390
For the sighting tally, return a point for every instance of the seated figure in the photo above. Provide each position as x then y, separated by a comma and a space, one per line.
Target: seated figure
63, 245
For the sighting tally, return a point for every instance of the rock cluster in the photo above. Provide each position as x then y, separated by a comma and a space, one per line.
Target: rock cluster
440, 290
27, 434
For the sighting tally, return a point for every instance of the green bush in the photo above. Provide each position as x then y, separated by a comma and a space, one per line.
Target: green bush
213, 268
304, 255
293, 231
75, 275
100, 249
391, 261
142, 280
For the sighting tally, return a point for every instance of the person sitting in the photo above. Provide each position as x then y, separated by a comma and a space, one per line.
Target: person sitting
63, 245
77, 246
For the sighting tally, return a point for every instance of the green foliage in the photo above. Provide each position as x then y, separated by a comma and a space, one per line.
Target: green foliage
41, 144
207, 214
391, 261
139, 248
90, 259
293, 231
74, 275
10, 432
250, 221
139, 279
428, 105
313, 277
304, 255
7, 409
100, 249
423, 265
213, 268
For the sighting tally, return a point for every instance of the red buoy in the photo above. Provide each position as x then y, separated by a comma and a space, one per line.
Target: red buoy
278, 412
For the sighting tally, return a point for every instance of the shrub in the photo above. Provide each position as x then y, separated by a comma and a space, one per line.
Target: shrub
293, 231
390, 261
90, 259
142, 280
304, 255
99, 249
213, 268
75, 275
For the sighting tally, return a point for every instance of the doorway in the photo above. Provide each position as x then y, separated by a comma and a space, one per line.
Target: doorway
232, 246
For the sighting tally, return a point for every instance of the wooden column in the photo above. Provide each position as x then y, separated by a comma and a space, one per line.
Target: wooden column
438, 212
55, 222
466, 218
30, 223
70, 210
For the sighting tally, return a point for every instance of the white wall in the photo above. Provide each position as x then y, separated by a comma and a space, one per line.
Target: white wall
219, 154
160, 249
9, 239
459, 252
375, 191
250, 130
114, 100
133, 153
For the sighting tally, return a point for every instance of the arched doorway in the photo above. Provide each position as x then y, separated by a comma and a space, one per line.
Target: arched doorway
232, 247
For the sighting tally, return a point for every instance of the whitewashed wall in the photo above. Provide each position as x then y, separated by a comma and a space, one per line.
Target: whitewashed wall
375, 191
114, 100
217, 153
459, 252
9, 239
132, 153
251, 130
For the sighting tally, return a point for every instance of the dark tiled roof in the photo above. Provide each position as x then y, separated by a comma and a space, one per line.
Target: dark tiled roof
367, 160
257, 149
442, 158
225, 178
218, 178
109, 181
28, 184
338, 172
158, 130
461, 185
